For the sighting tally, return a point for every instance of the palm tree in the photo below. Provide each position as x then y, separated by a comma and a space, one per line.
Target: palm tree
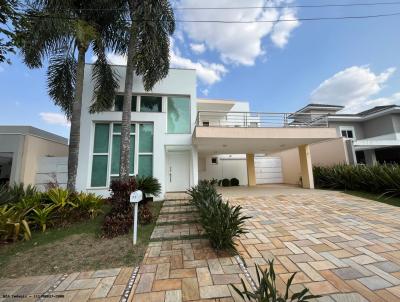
63, 31
152, 22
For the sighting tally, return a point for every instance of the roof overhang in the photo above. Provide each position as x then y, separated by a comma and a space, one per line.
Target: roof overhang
366, 144
218, 105
224, 140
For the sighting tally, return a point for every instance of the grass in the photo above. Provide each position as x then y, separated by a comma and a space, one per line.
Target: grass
394, 201
75, 248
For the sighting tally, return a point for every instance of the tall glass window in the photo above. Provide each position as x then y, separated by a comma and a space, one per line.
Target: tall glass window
150, 104
145, 150
106, 152
119, 101
100, 155
179, 115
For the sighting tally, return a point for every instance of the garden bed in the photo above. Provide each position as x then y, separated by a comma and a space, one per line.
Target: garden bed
78, 247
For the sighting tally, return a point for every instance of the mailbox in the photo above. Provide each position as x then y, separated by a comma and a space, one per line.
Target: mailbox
135, 198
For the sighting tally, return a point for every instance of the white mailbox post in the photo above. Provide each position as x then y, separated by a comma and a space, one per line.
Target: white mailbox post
134, 199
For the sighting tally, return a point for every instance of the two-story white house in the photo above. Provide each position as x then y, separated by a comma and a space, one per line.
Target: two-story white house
173, 132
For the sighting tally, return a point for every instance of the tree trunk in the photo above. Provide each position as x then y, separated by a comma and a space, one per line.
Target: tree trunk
126, 109
74, 135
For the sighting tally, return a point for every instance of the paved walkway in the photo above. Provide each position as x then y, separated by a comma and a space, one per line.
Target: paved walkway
343, 247
101, 285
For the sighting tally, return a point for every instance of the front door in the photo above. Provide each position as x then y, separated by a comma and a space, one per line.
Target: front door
178, 171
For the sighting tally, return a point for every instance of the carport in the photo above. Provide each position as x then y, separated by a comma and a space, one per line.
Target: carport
253, 133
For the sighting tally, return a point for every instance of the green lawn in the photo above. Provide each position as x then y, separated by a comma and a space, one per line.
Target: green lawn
394, 201
75, 248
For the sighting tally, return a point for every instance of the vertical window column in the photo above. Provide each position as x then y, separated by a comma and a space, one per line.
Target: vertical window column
145, 150
100, 155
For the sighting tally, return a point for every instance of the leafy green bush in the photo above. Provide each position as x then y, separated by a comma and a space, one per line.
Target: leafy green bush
226, 182
234, 182
221, 222
381, 179
149, 185
266, 290
28, 209
10, 194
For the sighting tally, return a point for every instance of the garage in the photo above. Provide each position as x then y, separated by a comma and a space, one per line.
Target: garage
268, 170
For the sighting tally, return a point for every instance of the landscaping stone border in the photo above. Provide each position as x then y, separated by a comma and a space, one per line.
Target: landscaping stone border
245, 271
129, 285
50, 291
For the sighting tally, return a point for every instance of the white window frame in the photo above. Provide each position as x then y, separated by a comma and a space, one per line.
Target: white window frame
348, 128
111, 133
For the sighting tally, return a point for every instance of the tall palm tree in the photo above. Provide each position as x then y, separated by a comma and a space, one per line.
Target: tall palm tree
148, 56
62, 31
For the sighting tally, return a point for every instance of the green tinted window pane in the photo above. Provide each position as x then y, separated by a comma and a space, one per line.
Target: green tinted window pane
145, 165
99, 171
132, 156
133, 127
178, 115
119, 101
101, 138
116, 154
150, 104
145, 138
133, 104
117, 128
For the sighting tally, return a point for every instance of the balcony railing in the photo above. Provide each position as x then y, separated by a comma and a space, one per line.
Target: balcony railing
260, 120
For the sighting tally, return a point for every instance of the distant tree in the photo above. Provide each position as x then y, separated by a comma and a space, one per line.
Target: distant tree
62, 31
148, 56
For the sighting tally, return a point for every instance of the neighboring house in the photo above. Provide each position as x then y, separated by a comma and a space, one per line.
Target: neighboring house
21, 150
174, 135
368, 137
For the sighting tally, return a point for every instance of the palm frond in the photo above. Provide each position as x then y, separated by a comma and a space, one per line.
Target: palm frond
61, 80
105, 80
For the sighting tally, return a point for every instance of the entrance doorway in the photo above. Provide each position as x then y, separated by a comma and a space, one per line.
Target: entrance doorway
178, 171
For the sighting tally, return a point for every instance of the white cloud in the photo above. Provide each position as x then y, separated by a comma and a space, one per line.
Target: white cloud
282, 30
353, 88
113, 58
54, 118
237, 43
198, 48
208, 73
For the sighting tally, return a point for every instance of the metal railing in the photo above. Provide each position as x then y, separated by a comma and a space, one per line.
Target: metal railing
260, 119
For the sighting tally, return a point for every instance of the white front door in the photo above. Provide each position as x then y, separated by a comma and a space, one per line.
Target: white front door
178, 171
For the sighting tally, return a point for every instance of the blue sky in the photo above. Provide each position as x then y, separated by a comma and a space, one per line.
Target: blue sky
276, 67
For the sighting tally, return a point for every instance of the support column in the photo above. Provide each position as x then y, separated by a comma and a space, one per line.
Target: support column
251, 170
370, 157
306, 167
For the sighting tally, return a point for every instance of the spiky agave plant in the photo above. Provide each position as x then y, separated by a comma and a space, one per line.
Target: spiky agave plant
266, 290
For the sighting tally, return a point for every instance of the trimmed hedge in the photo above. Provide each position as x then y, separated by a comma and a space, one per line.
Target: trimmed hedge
380, 179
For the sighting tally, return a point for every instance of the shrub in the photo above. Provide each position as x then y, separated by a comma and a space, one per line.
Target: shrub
87, 204
220, 182
221, 222
149, 185
267, 291
59, 197
13, 224
234, 182
381, 179
119, 220
226, 182
10, 194
42, 215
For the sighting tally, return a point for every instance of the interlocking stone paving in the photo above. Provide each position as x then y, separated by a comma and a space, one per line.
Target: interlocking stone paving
101, 285
177, 209
177, 231
343, 247
177, 218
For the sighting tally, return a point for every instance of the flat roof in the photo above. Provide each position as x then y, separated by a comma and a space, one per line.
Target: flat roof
29, 130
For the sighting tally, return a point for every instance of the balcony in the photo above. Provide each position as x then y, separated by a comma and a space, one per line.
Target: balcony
219, 132
260, 120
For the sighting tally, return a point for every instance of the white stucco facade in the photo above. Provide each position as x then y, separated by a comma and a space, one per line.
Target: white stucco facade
179, 82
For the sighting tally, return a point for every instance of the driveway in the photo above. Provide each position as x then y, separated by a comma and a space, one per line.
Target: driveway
343, 247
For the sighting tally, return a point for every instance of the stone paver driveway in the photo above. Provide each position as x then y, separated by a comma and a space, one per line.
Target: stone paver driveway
343, 247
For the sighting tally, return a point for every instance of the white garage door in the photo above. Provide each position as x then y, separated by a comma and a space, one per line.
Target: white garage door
268, 170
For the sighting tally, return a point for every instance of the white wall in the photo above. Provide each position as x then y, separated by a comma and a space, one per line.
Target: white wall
178, 82
228, 166
51, 169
